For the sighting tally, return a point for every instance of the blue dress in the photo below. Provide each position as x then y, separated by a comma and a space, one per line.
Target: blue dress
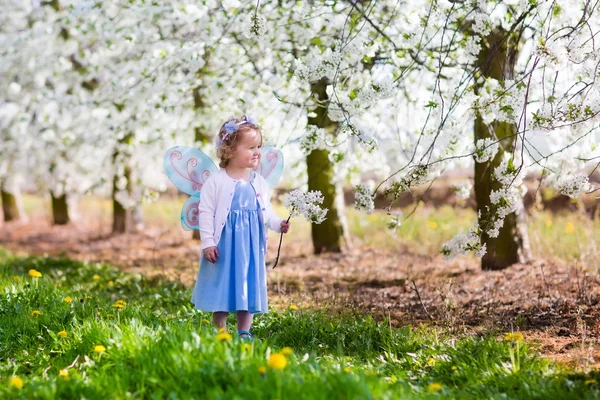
237, 281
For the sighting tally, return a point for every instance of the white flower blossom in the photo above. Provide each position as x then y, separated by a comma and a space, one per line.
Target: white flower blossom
486, 149
364, 198
574, 185
306, 204
462, 189
462, 244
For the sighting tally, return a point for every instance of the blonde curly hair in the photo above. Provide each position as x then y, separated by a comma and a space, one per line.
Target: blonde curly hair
229, 134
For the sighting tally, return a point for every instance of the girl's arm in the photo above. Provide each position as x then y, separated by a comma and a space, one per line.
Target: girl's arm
206, 214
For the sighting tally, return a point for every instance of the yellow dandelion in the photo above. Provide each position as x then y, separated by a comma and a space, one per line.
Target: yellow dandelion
262, 370
34, 274
277, 361
431, 361
286, 351
569, 228
96, 277
16, 278
110, 283
348, 370
98, 314
35, 313
224, 337
590, 382
64, 373
293, 307
62, 333
68, 299
434, 387
548, 223
454, 368
120, 304
513, 337
432, 224
99, 349
16, 382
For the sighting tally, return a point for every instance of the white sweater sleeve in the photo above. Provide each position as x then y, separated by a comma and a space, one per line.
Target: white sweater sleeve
206, 214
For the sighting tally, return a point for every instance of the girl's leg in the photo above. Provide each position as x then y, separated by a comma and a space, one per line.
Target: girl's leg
220, 319
244, 320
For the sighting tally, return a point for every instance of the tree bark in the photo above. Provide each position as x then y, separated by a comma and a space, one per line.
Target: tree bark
497, 60
328, 236
10, 206
60, 209
123, 220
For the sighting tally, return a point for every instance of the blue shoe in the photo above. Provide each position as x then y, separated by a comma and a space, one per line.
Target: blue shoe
245, 335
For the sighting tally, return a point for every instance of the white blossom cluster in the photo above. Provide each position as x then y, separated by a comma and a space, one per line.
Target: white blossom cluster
574, 185
364, 199
394, 221
462, 189
313, 139
464, 243
306, 204
486, 149
501, 101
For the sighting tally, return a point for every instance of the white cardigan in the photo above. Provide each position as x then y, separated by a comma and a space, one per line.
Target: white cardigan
215, 202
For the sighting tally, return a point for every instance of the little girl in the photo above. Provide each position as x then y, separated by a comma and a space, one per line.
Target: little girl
234, 214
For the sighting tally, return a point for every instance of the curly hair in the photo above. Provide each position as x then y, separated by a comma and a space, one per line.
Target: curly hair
227, 141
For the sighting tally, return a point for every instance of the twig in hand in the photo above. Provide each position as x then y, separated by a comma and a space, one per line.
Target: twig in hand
279, 247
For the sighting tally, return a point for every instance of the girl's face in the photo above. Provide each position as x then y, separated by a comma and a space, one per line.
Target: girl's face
247, 151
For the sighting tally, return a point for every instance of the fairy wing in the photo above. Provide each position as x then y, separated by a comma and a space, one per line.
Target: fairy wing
188, 168
271, 165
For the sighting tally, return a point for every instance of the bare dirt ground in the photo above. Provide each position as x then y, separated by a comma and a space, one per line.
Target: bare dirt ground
555, 305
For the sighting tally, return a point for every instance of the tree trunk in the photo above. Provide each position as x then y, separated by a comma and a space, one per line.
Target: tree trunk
123, 220
329, 235
10, 206
60, 209
497, 60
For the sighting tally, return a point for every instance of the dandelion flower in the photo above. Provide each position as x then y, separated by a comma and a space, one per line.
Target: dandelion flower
569, 228
68, 299
16, 382
62, 333
34, 274
120, 304
454, 368
110, 283
348, 370
432, 224
35, 313
286, 351
99, 349
434, 387
277, 361
513, 337
262, 370
548, 223
431, 361
293, 307
224, 337
64, 373
96, 277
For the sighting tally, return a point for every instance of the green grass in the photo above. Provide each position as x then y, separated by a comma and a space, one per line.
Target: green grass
159, 346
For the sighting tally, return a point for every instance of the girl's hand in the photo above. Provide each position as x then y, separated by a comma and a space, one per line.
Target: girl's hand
285, 226
211, 254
